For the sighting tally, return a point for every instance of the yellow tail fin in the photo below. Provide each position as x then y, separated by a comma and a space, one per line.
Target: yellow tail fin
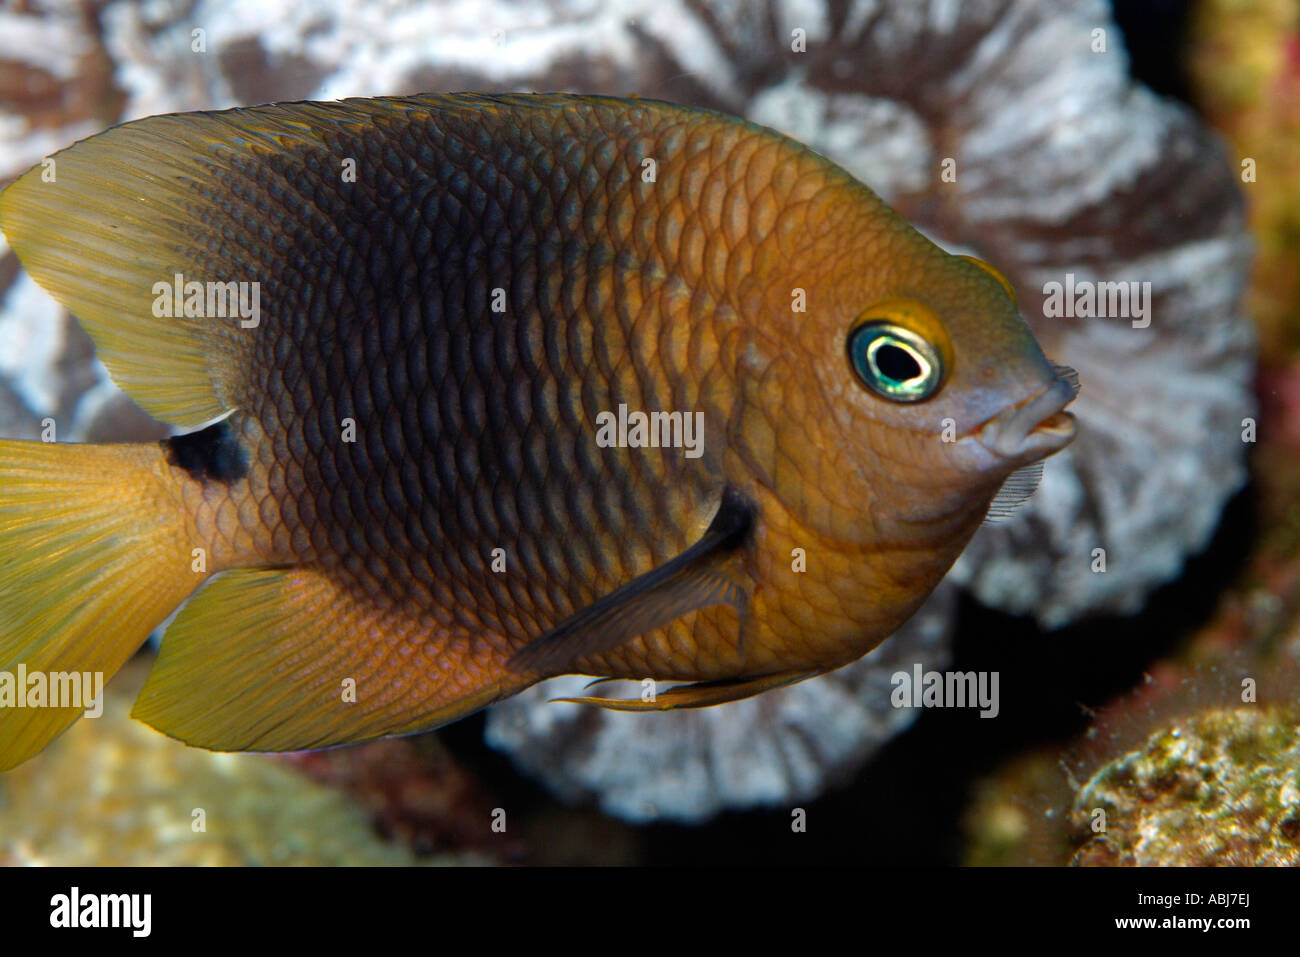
94, 554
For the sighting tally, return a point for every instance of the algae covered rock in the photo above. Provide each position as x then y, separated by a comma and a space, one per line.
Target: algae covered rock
1221, 787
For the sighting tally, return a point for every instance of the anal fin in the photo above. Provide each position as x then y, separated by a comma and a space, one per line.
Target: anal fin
285, 660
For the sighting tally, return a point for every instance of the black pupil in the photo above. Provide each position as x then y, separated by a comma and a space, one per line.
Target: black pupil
897, 363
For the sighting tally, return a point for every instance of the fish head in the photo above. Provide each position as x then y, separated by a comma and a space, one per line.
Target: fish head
922, 390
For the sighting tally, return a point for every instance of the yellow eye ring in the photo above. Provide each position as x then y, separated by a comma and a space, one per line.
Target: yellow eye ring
895, 362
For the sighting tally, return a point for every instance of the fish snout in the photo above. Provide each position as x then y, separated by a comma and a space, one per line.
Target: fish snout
1036, 427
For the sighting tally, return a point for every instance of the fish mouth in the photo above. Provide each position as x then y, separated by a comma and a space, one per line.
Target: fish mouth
1038, 426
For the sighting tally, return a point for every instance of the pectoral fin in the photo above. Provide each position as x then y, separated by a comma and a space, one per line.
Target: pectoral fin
698, 695
1018, 489
662, 595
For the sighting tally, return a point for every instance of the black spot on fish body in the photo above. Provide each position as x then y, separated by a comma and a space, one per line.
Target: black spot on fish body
210, 455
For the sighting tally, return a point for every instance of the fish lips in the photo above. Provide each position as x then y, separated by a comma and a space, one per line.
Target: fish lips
1036, 427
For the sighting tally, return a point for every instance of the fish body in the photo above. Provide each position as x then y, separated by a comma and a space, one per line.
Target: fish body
530, 385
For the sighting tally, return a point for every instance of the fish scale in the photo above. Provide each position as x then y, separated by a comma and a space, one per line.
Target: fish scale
361, 447
447, 521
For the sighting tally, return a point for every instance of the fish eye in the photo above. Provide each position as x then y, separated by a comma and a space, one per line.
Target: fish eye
895, 362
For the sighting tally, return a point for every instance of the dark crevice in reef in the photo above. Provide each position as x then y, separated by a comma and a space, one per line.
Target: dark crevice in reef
1155, 34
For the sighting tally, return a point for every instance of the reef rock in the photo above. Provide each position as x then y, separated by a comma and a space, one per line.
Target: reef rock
1222, 787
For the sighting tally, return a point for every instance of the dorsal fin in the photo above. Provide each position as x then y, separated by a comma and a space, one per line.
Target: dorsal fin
213, 197
114, 216
224, 197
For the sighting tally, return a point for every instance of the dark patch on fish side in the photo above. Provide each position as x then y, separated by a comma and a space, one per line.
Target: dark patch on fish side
210, 455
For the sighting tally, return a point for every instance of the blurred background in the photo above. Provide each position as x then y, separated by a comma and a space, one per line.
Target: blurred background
1152, 140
